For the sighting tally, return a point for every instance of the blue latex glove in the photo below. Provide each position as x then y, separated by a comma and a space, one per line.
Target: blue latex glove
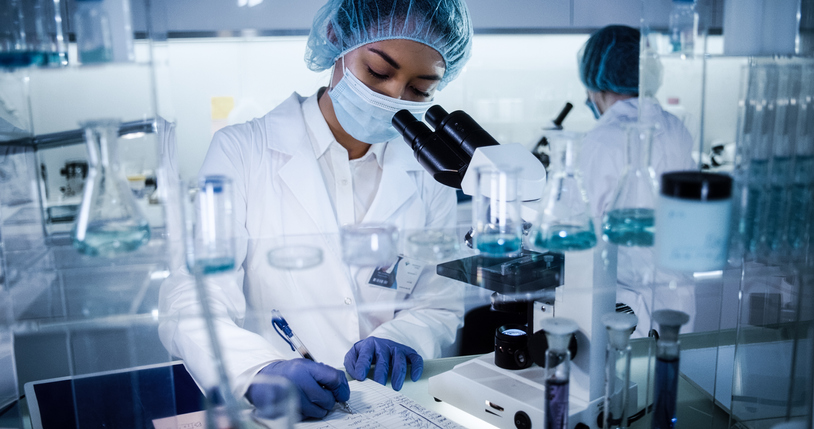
319, 385
386, 355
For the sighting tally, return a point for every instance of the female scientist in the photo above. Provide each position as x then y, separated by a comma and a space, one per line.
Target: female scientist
310, 166
609, 69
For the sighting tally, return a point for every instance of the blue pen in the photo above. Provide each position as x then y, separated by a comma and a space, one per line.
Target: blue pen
285, 332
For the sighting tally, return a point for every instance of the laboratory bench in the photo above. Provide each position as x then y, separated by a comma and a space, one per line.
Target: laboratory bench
695, 406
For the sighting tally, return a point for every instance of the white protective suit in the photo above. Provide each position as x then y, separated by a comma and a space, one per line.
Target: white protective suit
602, 162
279, 190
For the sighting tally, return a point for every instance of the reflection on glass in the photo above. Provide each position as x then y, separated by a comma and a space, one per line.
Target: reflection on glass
564, 222
498, 228
369, 245
109, 221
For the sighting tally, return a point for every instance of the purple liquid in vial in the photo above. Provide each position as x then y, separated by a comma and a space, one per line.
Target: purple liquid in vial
666, 389
556, 405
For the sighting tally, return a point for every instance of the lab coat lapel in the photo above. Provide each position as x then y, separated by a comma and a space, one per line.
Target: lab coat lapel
303, 177
397, 185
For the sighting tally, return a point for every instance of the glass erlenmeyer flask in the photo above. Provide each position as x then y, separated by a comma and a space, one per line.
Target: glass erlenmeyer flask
564, 222
630, 220
109, 221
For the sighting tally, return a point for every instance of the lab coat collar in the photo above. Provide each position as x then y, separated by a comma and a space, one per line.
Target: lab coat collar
301, 172
397, 185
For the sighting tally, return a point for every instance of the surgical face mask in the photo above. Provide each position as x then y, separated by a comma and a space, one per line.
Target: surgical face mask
365, 114
591, 105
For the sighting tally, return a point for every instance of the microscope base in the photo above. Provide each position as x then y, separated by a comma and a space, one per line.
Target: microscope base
510, 399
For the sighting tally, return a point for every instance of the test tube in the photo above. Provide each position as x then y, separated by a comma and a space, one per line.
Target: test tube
667, 354
558, 332
617, 368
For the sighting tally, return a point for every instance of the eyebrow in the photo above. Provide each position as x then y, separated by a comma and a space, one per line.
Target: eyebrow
397, 66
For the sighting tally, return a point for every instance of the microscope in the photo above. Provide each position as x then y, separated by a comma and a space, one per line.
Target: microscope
504, 388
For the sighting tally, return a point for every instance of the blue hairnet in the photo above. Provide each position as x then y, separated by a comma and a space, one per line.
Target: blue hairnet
344, 25
609, 61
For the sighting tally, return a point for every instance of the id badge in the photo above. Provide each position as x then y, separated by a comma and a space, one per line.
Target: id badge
401, 276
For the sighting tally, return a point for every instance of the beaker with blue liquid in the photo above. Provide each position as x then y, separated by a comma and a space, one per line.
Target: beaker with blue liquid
109, 221
498, 227
564, 219
210, 228
630, 220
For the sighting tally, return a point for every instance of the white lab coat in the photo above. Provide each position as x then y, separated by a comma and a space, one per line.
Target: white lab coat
279, 191
602, 162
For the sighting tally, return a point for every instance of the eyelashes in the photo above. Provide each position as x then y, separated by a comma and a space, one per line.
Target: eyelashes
383, 77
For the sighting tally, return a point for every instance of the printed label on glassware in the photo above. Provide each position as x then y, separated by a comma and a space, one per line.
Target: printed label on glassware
401, 275
692, 235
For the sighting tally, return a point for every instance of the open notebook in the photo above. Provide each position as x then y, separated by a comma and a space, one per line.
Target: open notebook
377, 406
374, 407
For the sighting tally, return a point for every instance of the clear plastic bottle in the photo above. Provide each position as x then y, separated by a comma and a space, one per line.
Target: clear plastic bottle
109, 221
683, 26
558, 332
630, 221
94, 39
564, 221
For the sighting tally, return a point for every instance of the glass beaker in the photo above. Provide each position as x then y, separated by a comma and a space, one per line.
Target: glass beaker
498, 228
108, 221
630, 220
564, 220
210, 226
32, 33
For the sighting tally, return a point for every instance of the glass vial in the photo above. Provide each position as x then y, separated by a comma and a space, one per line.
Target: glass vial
665, 387
683, 26
617, 369
693, 217
630, 221
210, 226
558, 332
32, 33
498, 228
564, 220
109, 221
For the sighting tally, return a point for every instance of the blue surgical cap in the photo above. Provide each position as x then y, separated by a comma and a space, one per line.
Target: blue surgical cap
609, 61
344, 25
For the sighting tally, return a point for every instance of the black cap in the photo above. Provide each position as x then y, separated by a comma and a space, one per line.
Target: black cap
696, 185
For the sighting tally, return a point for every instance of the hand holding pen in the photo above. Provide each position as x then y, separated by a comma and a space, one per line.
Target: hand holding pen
320, 385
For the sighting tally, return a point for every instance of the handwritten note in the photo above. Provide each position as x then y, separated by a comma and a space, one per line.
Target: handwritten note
380, 407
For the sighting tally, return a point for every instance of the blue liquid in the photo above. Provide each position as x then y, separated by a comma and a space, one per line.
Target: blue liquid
31, 58
566, 237
109, 238
499, 244
556, 405
98, 55
630, 227
666, 392
214, 265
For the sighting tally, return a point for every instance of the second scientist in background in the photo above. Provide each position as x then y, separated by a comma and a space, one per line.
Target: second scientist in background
609, 69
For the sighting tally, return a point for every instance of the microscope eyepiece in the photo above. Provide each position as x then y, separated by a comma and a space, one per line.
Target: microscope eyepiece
435, 115
446, 164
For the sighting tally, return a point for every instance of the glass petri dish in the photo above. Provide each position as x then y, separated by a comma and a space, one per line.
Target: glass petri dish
432, 244
298, 257
369, 245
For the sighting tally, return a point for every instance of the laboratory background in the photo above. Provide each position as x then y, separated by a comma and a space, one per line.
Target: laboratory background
107, 110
